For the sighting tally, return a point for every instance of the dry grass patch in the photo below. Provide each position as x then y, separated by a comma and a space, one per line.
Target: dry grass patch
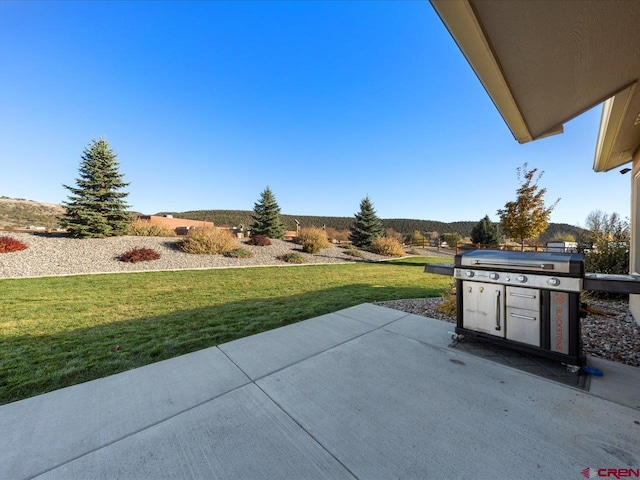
313, 239
144, 228
211, 241
389, 247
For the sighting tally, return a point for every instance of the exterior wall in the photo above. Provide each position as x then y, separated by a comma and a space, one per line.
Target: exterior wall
634, 260
176, 222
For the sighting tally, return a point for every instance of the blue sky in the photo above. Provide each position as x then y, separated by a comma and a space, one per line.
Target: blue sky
206, 103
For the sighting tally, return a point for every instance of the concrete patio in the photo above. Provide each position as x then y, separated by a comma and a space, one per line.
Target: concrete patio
366, 392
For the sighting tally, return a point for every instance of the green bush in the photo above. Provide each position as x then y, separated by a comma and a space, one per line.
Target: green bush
239, 253
293, 257
313, 239
389, 247
609, 258
353, 252
144, 228
212, 241
609, 236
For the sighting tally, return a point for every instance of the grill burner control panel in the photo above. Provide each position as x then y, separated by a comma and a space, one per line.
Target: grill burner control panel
566, 284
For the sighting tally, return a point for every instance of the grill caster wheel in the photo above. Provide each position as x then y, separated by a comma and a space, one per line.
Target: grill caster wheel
573, 369
455, 337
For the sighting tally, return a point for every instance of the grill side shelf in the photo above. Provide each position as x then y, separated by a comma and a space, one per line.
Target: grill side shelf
439, 268
601, 282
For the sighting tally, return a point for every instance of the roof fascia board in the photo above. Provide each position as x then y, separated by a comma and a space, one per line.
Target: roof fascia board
462, 23
613, 113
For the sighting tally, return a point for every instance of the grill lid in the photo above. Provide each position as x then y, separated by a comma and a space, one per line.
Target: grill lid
571, 264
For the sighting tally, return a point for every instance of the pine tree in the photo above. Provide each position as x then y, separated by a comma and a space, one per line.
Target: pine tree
527, 217
266, 216
485, 232
367, 226
95, 208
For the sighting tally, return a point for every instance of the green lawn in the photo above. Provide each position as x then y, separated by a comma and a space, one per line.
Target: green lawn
60, 331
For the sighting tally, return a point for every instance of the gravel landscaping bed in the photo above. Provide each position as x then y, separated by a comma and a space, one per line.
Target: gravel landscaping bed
50, 255
614, 337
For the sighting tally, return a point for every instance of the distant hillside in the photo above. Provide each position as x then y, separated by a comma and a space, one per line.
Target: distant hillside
19, 213
403, 225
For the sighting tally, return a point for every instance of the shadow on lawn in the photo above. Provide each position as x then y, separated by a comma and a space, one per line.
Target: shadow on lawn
36, 364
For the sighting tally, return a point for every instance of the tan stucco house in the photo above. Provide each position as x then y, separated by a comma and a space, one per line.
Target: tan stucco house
544, 62
177, 224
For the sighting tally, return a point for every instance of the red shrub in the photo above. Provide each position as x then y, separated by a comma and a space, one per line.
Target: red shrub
9, 244
259, 240
139, 255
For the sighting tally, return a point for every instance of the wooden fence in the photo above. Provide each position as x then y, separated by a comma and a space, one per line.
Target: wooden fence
461, 247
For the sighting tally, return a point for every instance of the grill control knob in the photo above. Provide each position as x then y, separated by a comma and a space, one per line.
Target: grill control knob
469, 273
553, 281
494, 276
521, 279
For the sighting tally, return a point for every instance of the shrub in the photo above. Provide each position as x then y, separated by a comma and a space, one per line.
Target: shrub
389, 247
337, 235
239, 253
293, 257
10, 244
259, 241
208, 240
313, 239
449, 303
144, 228
353, 252
142, 254
415, 237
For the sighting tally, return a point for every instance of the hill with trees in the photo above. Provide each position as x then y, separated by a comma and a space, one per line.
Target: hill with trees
18, 213
232, 218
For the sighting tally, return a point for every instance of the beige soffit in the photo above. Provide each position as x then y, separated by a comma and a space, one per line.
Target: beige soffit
614, 111
461, 21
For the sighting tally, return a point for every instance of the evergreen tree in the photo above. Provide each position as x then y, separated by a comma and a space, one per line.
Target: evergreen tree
527, 217
485, 232
266, 216
95, 208
367, 226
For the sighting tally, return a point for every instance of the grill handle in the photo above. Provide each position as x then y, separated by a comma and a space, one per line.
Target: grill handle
497, 294
524, 317
522, 295
543, 266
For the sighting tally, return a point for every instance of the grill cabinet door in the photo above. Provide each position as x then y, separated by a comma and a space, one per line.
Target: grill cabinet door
483, 308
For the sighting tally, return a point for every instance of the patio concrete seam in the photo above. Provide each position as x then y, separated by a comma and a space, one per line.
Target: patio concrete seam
287, 413
374, 327
130, 434
311, 436
439, 347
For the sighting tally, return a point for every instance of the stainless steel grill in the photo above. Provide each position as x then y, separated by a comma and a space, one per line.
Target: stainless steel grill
529, 301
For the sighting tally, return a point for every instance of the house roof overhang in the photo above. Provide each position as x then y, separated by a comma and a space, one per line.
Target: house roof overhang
545, 62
